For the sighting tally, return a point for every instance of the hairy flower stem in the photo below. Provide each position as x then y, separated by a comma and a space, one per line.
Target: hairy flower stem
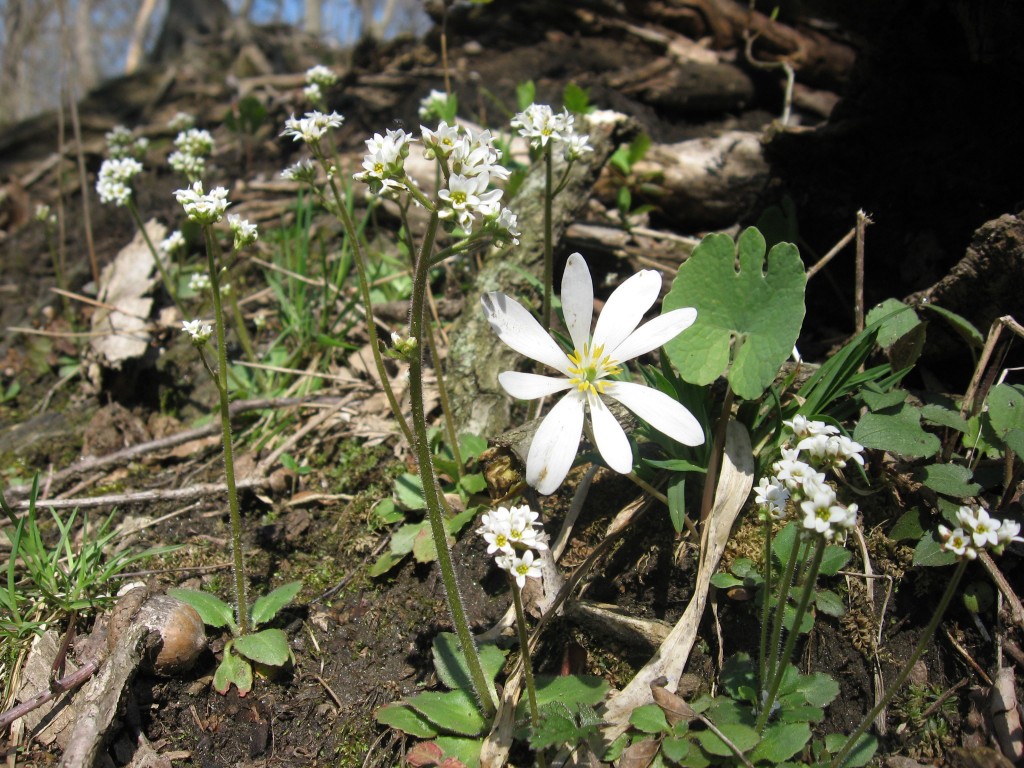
241, 602
172, 292
549, 265
810, 577
524, 650
431, 495
770, 660
890, 691
766, 592
244, 338
364, 292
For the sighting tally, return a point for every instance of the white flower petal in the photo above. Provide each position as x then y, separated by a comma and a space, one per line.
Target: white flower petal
530, 386
666, 415
653, 334
611, 440
554, 445
520, 330
577, 300
625, 308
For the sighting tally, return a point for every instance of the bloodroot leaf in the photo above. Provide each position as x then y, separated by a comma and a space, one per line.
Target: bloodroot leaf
744, 311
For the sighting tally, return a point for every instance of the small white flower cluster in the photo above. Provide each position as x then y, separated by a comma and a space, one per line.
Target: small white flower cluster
514, 537
540, 124
318, 78
433, 106
799, 477
303, 171
199, 332
384, 162
978, 530
312, 127
473, 161
45, 215
244, 232
114, 181
121, 143
198, 282
181, 121
192, 147
200, 207
173, 243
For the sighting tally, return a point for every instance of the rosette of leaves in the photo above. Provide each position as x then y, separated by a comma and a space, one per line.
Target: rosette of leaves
749, 311
268, 647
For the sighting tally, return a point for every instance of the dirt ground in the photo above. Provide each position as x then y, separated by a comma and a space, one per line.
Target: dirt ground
361, 642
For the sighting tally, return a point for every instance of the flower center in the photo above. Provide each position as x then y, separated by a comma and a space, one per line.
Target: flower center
590, 367
458, 198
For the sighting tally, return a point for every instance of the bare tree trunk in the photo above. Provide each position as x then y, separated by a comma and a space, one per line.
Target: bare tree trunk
137, 44
313, 20
23, 22
245, 11
88, 73
187, 20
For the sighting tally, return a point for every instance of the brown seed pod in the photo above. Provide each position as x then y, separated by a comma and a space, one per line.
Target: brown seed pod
182, 636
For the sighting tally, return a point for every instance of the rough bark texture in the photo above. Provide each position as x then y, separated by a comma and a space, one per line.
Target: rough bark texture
476, 356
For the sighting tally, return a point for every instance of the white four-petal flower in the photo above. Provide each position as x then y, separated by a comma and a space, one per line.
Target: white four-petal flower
585, 373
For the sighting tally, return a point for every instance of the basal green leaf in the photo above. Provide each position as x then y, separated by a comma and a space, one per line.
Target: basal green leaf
409, 491
828, 602
675, 749
897, 318
403, 718
944, 412
949, 479
267, 606
451, 666
743, 738
385, 563
211, 609
649, 718
402, 540
571, 690
232, 670
423, 548
928, 552
453, 711
898, 432
471, 446
1006, 414
908, 527
676, 495
473, 483
818, 689
750, 311
859, 756
880, 401
268, 646
780, 742
466, 751
833, 559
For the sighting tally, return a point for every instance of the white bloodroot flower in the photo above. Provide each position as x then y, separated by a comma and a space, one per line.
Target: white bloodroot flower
199, 331
586, 372
200, 207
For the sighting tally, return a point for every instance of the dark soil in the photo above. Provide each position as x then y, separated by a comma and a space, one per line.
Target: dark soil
361, 642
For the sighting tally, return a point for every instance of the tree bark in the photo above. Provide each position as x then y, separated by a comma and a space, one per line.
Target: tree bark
137, 44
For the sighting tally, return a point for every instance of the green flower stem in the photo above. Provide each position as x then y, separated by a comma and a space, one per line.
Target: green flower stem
549, 266
766, 592
171, 290
901, 678
241, 602
243, 335
715, 457
364, 292
785, 584
420, 286
787, 652
446, 408
524, 650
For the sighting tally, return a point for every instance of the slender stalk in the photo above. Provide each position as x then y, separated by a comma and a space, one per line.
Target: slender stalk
524, 650
243, 335
787, 652
364, 292
156, 256
715, 457
785, 584
446, 408
241, 601
549, 266
901, 678
766, 593
431, 495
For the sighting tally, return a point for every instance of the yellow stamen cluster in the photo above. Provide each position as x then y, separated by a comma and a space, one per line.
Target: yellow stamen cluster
589, 369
